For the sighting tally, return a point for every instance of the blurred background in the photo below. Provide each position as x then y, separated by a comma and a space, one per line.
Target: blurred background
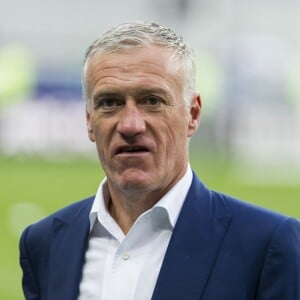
248, 144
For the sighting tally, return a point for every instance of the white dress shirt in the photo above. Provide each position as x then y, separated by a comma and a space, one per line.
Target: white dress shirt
126, 267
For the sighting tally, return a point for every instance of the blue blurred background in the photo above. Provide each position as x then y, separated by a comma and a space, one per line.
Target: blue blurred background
248, 144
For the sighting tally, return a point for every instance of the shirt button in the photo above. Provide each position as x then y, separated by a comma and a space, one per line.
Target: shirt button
125, 256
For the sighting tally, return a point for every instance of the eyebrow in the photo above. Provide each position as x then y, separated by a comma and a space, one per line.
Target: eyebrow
103, 94
139, 93
157, 91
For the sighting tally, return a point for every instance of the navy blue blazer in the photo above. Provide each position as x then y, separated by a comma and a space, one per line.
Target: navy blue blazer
220, 249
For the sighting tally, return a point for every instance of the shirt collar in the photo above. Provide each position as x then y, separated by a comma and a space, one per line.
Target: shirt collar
172, 201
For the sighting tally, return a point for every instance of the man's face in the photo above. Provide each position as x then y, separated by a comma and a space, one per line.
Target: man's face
138, 118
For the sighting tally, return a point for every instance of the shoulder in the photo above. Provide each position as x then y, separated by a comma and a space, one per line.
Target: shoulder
246, 210
253, 218
42, 228
246, 218
252, 226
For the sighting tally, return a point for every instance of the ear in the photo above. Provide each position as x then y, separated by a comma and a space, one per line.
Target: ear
89, 125
194, 114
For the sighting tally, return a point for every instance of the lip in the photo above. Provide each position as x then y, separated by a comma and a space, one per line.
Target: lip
131, 150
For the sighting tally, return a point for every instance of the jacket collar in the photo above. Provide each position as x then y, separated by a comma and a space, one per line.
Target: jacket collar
194, 246
67, 249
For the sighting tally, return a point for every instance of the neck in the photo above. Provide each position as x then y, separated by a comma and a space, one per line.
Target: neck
126, 205
125, 209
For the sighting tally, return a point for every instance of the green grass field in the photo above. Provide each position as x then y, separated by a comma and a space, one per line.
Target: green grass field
34, 187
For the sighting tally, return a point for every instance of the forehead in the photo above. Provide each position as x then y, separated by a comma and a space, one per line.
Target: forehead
145, 61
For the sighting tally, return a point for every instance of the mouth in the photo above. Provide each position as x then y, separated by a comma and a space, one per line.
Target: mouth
131, 150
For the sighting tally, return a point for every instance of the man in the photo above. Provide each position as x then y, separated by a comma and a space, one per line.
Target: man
153, 230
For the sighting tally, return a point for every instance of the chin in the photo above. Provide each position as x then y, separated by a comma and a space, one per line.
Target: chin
134, 186
136, 181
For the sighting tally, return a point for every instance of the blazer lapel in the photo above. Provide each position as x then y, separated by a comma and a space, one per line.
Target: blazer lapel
67, 250
194, 246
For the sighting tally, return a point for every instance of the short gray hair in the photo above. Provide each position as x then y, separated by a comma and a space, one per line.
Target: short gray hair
139, 34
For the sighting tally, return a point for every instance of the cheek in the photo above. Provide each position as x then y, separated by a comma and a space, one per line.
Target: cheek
102, 128
101, 138
174, 136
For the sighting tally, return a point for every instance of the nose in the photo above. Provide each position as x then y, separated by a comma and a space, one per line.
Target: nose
131, 121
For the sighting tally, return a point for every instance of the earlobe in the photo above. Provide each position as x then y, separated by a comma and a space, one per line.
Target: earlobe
89, 126
195, 112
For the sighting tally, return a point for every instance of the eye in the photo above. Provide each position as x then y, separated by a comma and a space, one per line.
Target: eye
107, 103
153, 102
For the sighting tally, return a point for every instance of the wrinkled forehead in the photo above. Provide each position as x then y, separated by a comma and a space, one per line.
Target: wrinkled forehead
154, 57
